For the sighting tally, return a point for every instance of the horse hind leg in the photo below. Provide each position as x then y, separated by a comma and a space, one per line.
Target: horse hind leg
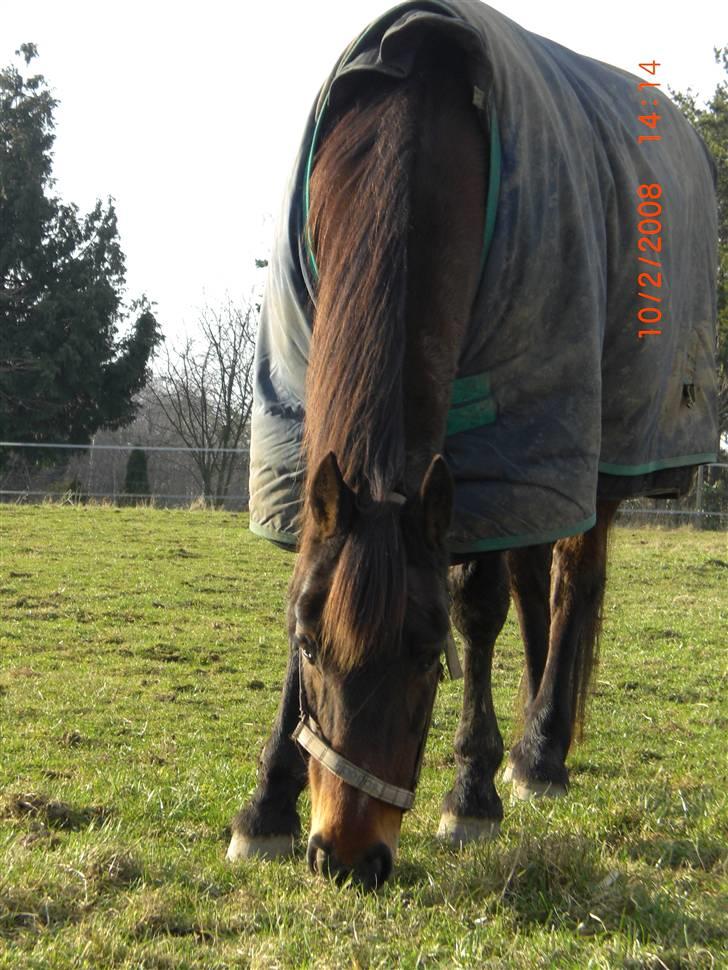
537, 763
472, 809
529, 571
268, 826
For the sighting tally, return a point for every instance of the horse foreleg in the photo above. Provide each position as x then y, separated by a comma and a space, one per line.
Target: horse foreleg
537, 763
472, 808
268, 825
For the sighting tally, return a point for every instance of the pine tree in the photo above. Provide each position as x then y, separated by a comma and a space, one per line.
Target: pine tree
64, 370
136, 482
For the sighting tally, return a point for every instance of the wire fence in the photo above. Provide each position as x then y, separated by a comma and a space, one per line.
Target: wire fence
174, 475
704, 507
159, 474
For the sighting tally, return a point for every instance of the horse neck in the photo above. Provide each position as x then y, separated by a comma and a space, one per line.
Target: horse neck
397, 209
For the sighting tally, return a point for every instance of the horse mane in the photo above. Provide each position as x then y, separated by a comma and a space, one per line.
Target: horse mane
359, 224
359, 218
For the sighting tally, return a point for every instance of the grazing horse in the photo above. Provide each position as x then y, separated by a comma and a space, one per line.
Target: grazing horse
390, 240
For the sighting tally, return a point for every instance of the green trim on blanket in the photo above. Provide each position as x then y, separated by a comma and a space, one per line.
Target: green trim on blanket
494, 177
470, 416
654, 466
467, 389
516, 542
307, 192
471, 404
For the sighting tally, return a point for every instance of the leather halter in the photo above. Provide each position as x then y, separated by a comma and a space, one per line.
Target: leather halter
311, 738
343, 768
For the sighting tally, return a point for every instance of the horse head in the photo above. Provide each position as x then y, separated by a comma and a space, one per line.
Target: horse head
368, 614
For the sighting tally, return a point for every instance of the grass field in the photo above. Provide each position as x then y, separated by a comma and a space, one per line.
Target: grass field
141, 657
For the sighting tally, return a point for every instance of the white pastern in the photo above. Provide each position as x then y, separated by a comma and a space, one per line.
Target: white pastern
460, 830
263, 847
526, 790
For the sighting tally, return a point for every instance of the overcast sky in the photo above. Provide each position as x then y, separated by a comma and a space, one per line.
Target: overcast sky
189, 114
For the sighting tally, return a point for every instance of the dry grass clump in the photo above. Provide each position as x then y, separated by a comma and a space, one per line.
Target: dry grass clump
39, 808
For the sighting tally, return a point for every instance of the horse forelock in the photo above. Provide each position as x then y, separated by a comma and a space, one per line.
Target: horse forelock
365, 607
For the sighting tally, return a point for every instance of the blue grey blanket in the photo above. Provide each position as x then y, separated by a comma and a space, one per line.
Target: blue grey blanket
557, 395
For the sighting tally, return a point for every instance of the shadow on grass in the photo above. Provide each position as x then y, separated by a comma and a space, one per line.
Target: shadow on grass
562, 883
701, 853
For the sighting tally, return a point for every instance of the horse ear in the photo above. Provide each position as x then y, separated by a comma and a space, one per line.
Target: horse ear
436, 496
331, 499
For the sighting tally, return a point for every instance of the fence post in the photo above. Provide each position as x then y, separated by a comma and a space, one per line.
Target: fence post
90, 473
699, 497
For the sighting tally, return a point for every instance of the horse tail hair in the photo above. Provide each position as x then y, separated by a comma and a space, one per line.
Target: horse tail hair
359, 219
586, 662
586, 658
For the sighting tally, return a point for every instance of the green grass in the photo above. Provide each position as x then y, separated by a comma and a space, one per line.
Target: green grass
141, 657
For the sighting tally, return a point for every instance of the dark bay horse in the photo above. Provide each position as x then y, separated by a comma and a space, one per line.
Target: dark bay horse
395, 223
397, 219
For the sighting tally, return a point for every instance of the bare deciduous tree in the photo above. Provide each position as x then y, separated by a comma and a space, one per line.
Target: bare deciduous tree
205, 392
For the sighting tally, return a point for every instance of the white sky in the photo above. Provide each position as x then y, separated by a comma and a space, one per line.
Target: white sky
190, 114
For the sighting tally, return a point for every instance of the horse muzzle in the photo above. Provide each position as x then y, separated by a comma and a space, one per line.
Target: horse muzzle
370, 872
352, 834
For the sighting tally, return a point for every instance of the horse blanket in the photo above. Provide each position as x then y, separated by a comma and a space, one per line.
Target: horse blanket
558, 398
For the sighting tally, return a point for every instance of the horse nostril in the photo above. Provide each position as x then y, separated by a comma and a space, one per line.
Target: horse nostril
373, 870
316, 854
323, 862
377, 866
321, 858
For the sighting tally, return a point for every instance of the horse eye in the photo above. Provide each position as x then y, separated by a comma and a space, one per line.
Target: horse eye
429, 662
307, 646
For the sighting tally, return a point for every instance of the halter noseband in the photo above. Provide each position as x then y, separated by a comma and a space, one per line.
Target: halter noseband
348, 772
312, 740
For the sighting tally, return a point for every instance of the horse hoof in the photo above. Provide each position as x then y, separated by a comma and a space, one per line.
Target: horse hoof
259, 847
526, 790
458, 830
